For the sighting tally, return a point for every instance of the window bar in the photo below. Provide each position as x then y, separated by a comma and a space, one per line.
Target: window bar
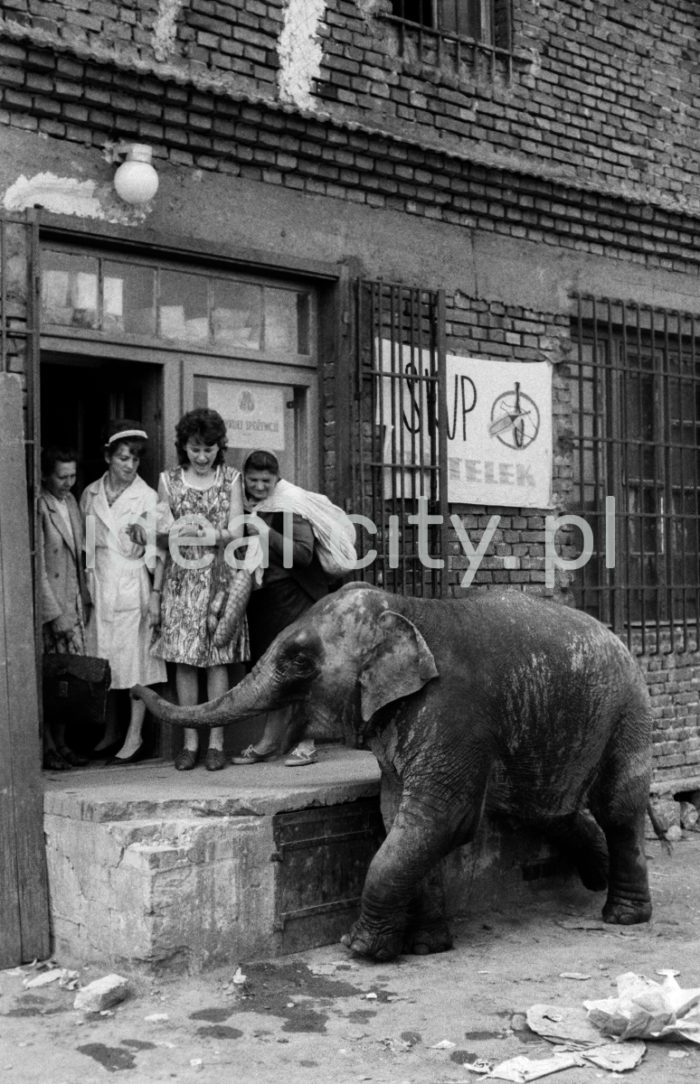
599, 451
579, 413
646, 519
686, 392
665, 428
679, 520
605, 363
623, 515
397, 434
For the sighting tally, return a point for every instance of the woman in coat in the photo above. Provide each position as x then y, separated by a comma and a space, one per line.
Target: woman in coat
65, 601
115, 508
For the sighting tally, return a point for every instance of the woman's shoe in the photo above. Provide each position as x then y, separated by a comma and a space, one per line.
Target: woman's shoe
215, 760
298, 759
54, 762
136, 756
185, 760
107, 750
73, 758
252, 756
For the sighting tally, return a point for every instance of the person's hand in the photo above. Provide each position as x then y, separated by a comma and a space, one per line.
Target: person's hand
63, 627
137, 533
255, 525
189, 532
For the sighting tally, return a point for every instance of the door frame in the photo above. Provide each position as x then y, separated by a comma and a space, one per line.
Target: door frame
303, 378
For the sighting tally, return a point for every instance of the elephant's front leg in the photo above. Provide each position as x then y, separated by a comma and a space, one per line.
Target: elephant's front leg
426, 930
392, 910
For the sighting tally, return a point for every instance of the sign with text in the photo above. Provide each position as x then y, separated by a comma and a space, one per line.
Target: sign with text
499, 432
254, 413
499, 426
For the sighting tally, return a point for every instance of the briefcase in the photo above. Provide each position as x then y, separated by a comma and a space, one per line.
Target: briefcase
75, 688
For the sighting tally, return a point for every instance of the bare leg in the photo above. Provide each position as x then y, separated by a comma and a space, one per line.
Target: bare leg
217, 685
187, 688
133, 738
111, 734
276, 723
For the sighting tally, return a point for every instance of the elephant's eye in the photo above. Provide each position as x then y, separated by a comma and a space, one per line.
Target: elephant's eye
301, 664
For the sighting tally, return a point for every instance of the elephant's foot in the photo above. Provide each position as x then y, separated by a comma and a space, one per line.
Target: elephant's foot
425, 938
378, 944
627, 912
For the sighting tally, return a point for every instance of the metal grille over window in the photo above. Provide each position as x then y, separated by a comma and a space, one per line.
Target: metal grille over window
399, 473
637, 405
469, 35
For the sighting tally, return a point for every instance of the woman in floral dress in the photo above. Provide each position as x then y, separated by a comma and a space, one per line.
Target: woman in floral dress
202, 498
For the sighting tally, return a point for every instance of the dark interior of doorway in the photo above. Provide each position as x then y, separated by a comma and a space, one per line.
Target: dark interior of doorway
79, 395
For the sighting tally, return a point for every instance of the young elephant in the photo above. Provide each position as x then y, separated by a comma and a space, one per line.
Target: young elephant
500, 700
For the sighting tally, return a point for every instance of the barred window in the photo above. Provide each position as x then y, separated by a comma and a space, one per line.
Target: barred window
457, 31
637, 411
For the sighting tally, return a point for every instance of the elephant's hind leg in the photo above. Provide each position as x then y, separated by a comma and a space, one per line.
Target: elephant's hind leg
619, 805
583, 842
427, 930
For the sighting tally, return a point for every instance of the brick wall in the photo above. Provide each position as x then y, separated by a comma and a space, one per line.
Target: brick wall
602, 95
564, 156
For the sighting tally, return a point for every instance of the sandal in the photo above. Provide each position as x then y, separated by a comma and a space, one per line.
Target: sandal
185, 760
215, 760
298, 760
252, 756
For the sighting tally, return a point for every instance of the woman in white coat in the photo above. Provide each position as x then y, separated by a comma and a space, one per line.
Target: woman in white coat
115, 508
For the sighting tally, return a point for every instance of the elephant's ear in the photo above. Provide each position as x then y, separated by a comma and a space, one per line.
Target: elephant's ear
401, 663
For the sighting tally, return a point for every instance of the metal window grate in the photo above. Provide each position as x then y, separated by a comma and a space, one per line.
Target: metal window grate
637, 410
461, 32
400, 453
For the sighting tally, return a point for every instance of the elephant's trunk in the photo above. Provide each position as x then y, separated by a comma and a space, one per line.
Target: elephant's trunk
240, 702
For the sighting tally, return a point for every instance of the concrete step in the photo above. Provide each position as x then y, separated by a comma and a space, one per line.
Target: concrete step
158, 870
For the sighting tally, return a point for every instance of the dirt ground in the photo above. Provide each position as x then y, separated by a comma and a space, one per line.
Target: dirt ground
322, 1015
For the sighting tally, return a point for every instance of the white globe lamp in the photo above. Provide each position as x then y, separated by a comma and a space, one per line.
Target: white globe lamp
136, 181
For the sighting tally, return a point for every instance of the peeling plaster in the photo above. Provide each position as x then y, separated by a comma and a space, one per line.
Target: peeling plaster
165, 28
300, 51
69, 196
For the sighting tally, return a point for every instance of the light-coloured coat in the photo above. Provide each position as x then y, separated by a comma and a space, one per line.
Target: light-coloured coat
62, 576
120, 584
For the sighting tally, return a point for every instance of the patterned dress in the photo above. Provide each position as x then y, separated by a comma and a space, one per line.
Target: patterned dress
187, 592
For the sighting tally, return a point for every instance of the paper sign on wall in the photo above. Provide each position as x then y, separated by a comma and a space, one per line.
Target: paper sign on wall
499, 440
254, 413
499, 426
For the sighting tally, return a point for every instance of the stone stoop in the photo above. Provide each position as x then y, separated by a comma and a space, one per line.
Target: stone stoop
162, 871
159, 870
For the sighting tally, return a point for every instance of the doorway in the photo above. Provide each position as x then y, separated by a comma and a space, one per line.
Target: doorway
80, 394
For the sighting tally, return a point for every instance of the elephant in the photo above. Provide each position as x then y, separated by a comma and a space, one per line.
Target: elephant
499, 701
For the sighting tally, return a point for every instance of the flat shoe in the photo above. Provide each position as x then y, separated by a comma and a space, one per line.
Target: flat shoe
215, 760
72, 757
185, 760
251, 756
298, 760
116, 762
54, 762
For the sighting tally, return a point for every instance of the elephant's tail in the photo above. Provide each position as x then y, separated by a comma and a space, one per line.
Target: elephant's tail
659, 829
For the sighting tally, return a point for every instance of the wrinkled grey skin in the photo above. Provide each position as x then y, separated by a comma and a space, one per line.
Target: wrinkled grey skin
502, 700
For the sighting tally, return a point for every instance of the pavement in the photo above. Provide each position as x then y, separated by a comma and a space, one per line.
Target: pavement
324, 1015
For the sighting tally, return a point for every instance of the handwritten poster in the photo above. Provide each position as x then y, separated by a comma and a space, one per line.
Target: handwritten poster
499, 426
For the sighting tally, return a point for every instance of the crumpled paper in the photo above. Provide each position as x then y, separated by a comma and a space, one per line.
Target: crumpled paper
520, 1069
645, 1009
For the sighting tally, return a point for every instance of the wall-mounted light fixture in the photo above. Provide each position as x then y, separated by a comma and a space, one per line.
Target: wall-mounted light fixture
136, 181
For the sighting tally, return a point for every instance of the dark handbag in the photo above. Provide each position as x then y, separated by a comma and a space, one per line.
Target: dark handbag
75, 688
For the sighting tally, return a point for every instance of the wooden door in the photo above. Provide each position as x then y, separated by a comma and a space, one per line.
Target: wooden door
24, 907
